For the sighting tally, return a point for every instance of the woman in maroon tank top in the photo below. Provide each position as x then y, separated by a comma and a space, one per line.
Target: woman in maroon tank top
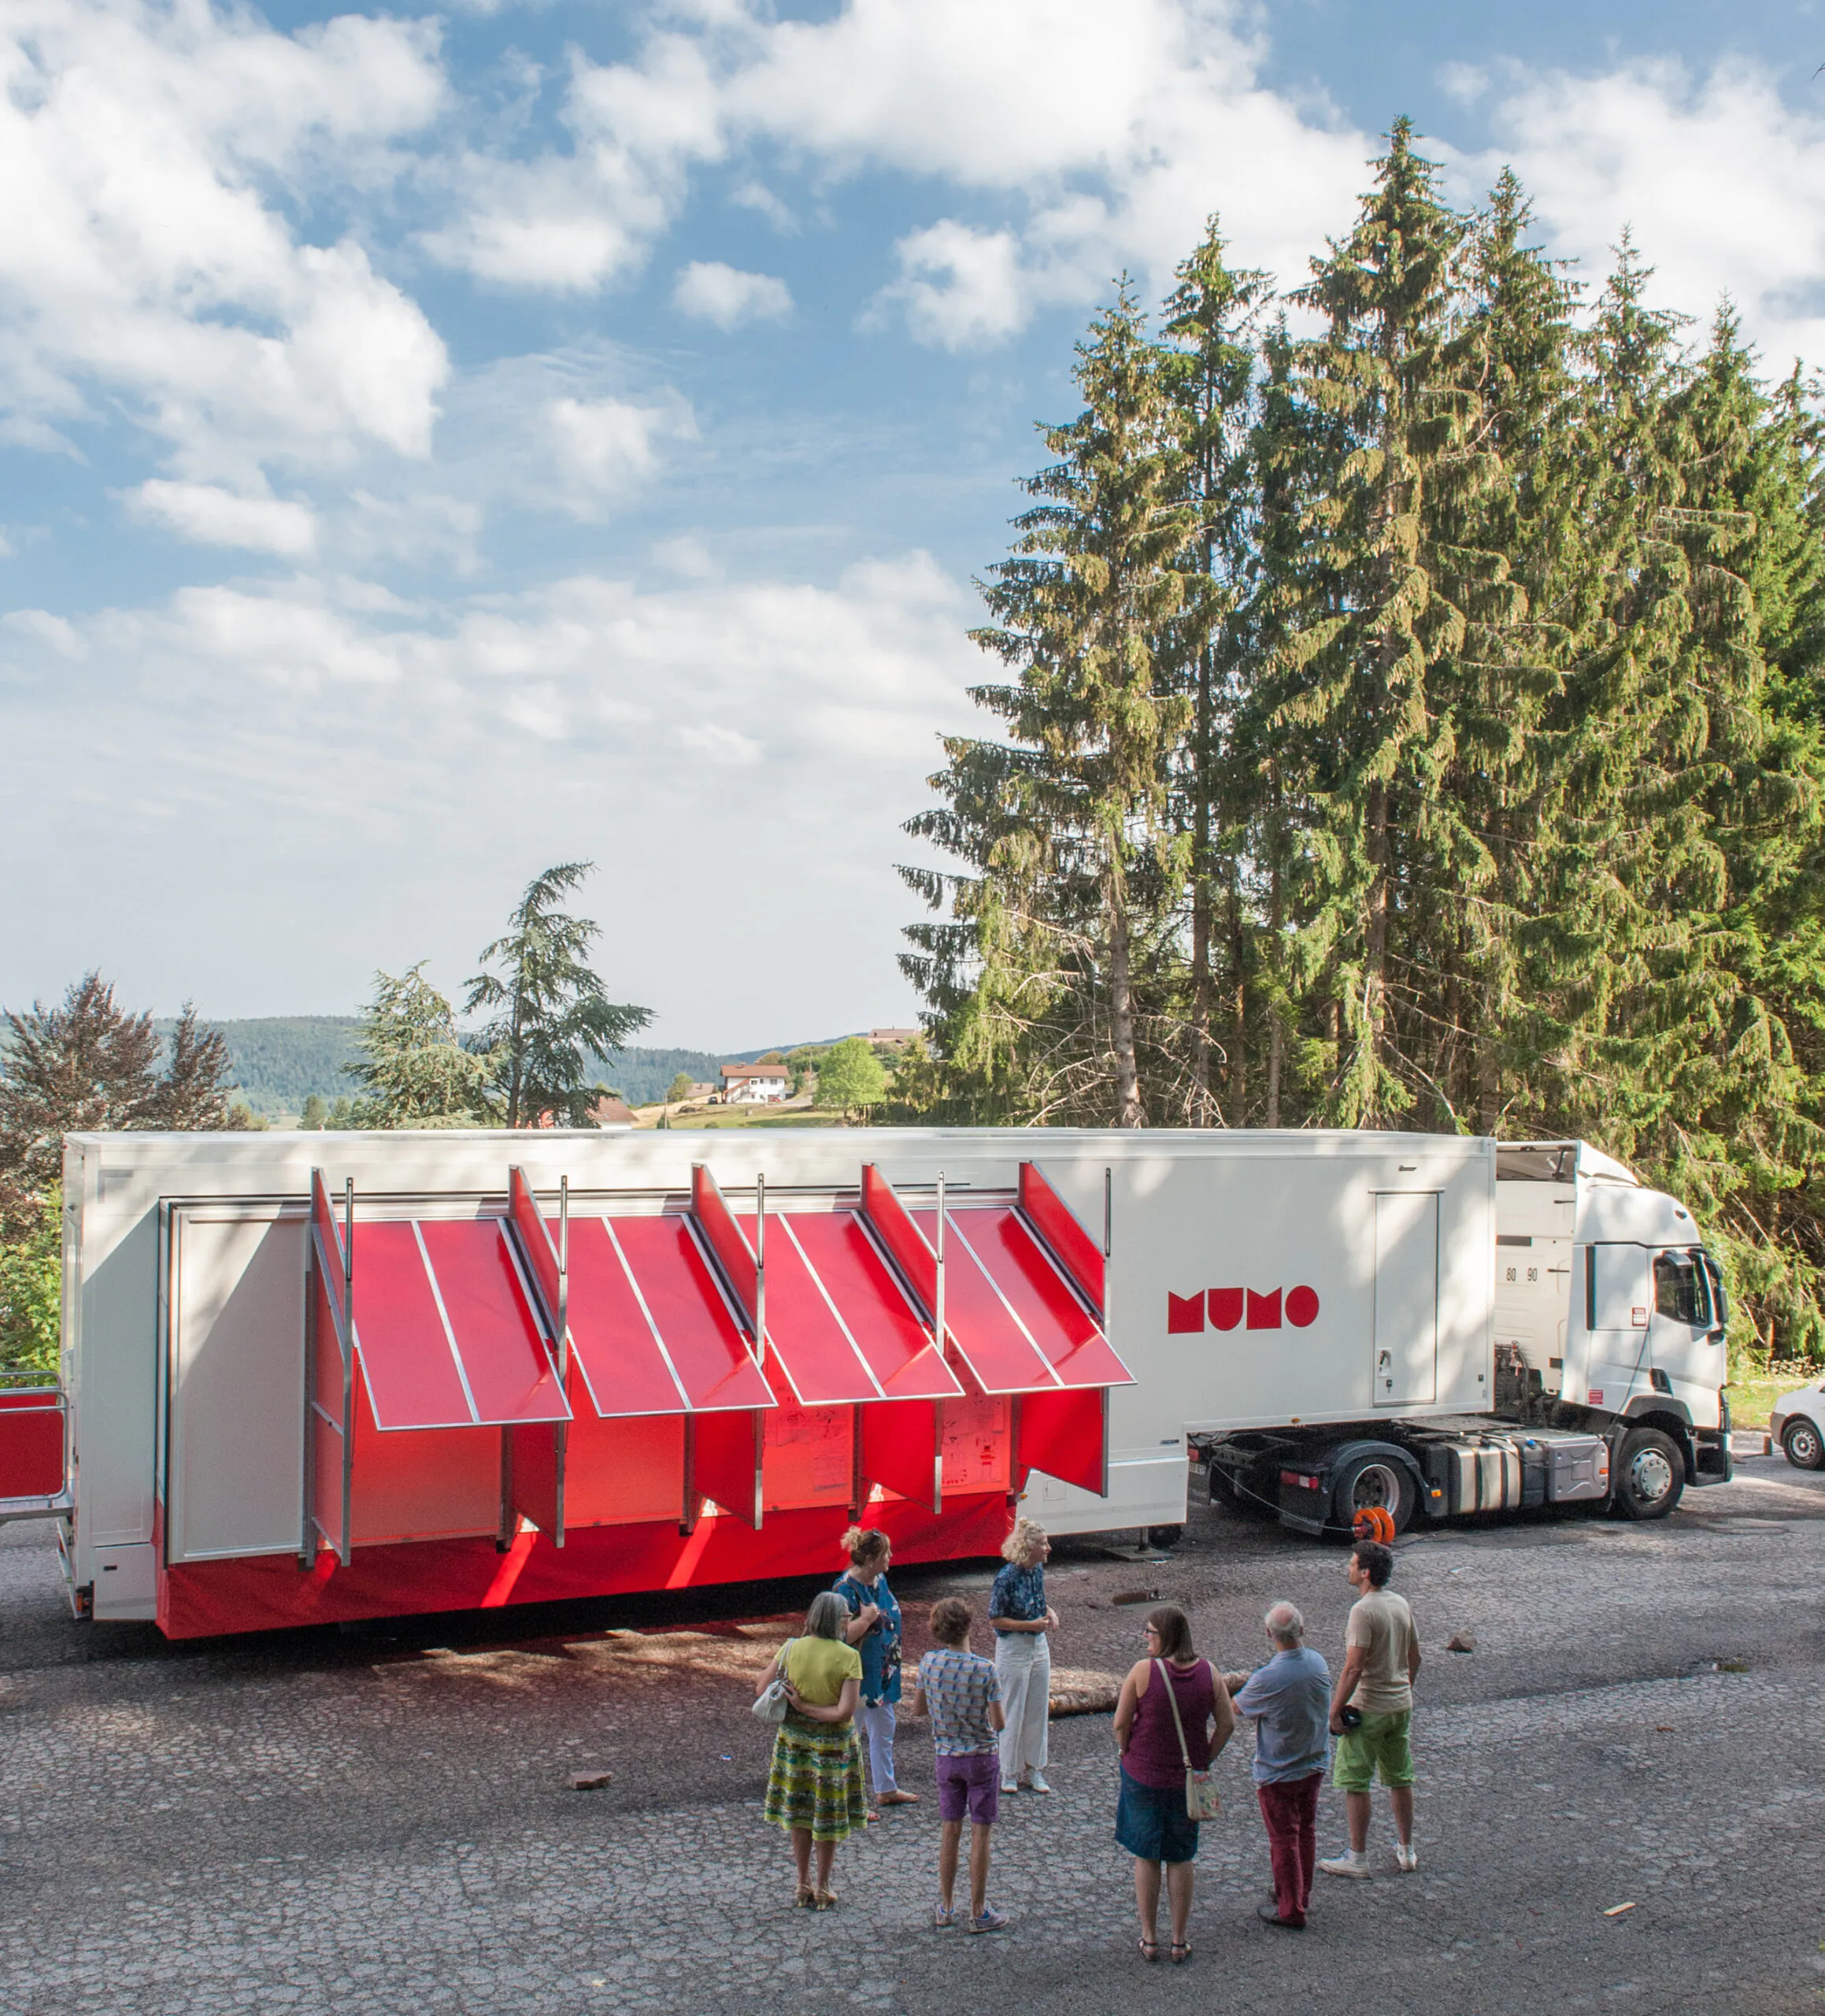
1151, 1820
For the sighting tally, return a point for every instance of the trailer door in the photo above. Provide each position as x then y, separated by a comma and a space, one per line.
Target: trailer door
1406, 1325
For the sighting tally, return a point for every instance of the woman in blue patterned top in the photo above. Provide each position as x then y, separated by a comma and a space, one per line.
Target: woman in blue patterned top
874, 1630
1017, 1610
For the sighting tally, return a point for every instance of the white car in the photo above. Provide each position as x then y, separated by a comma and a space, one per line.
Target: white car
1797, 1422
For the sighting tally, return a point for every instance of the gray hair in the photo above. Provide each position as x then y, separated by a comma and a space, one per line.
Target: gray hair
1285, 1624
828, 1615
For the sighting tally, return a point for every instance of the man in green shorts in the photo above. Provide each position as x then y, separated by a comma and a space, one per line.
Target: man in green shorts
1381, 1660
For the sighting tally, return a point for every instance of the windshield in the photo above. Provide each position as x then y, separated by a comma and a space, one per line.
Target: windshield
1683, 1288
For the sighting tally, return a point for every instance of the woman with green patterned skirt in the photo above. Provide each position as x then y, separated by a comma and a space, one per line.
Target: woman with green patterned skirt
814, 1790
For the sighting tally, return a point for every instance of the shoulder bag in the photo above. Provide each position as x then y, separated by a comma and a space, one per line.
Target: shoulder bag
1200, 1800
770, 1703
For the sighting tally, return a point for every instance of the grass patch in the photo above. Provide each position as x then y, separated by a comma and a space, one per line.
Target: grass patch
1754, 1392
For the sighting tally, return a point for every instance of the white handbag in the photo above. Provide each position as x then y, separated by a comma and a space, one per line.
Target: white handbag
770, 1703
1201, 1800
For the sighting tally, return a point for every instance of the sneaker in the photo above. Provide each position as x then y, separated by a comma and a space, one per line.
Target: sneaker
991, 1920
1036, 1781
1348, 1863
944, 1916
1406, 1858
1008, 1785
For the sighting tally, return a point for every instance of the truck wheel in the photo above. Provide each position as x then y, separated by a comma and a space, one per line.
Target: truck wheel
1804, 1447
1163, 1537
1650, 1475
1370, 1481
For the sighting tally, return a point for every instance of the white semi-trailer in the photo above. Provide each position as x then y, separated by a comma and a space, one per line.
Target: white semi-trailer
1436, 1325
310, 1377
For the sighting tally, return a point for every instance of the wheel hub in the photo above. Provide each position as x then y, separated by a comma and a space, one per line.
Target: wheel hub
1652, 1477
1376, 1485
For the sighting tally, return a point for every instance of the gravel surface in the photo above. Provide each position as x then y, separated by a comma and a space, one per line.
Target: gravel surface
378, 1820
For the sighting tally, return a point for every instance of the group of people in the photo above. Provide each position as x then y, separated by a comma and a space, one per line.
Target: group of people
1176, 1713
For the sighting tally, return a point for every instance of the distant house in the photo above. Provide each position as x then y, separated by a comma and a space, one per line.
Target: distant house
755, 1084
611, 1111
892, 1039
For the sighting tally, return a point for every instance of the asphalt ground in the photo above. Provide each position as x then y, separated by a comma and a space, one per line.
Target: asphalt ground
383, 1820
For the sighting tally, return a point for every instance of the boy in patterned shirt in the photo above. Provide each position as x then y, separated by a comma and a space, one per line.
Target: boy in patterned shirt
959, 1692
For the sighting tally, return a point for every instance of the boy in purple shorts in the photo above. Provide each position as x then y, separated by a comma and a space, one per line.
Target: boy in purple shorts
961, 1693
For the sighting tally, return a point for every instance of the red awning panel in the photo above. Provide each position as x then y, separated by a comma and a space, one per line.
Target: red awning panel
820, 1359
1048, 1307
991, 1339
682, 1310
618, 1349
894, 1344
446, 1335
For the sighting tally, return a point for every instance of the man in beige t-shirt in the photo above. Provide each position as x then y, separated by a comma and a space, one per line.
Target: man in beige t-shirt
1381, 1659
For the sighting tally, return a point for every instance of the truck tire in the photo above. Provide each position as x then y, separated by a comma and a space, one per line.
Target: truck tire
1374, 1479
1162, 1538
1650, 1475
1804, 1445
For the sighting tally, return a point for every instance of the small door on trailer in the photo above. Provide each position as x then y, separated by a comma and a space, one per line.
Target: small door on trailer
1405, 1370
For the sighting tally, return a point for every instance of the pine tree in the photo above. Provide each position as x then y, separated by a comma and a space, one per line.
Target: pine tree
553, 1019
414, 1070
192, 1092
1075, 877
1369, 620
1209, 370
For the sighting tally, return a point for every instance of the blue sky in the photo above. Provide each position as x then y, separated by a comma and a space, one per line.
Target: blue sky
435, 445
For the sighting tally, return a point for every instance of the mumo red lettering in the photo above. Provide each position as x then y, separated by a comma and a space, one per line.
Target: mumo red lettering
1227, 1309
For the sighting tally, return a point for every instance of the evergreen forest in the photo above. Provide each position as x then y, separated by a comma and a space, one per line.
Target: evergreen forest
1410, 717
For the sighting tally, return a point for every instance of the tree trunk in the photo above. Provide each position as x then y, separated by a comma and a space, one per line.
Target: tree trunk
1239, 1058
1375, 950
1201, 1114
1276, 1034
1122, 1012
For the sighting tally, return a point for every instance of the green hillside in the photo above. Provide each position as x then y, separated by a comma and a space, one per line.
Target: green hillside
280, 1060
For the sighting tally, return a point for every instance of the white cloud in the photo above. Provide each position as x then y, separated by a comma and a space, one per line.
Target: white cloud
686, 555
757, 196
714, 292
960, 287
1106, 134
148, 264
1723, 183
605, 448
210, 515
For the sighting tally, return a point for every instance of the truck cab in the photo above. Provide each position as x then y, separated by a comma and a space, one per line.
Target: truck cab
1609, 1311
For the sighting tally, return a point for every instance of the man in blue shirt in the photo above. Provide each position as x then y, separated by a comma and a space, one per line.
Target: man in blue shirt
1289, 1700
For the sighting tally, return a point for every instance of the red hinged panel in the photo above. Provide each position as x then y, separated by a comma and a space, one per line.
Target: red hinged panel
902, 1449
536, 1244
1066, 1435
892, 1224
445, 1335
980, 1323
510, 1374
614, 1341
688, 1313
1049, 1309
808, 1338
735, 1254
1057, 1224
896, 1347
32, 1442
406, 1355
726, 1462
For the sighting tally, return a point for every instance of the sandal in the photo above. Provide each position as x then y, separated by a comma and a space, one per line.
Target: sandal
826, 1899
806, 1897
1149, 1950
1181, 1952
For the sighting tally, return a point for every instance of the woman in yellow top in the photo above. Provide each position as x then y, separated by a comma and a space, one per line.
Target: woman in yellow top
814, 1790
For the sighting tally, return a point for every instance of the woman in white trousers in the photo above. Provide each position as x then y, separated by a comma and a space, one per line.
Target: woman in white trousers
1022, 1621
